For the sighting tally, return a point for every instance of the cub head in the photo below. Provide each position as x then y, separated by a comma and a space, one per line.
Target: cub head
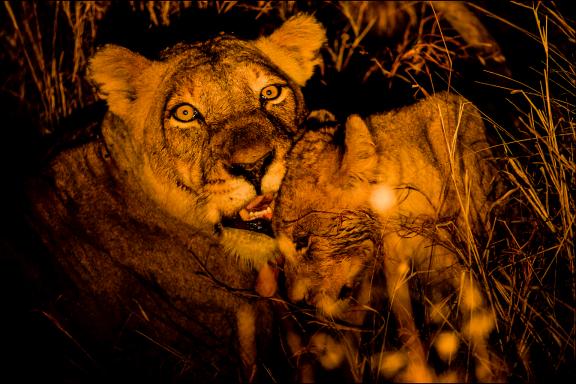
326, 229
206, 128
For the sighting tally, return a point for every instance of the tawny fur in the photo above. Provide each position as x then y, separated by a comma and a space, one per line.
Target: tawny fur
379, 206
133, 218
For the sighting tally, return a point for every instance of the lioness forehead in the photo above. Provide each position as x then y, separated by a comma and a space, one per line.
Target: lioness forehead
214, 73
221, 51
210, 47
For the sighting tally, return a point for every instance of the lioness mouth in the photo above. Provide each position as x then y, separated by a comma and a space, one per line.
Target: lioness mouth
255, 216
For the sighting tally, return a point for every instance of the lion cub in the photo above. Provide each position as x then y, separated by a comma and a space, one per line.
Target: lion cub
370, 220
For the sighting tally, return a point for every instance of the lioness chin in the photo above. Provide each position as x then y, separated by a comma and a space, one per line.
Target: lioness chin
369, 220
157, 223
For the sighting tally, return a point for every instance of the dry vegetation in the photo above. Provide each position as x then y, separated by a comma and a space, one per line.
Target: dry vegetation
380, 56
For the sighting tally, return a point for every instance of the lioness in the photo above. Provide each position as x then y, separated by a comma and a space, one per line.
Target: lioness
370, 218
157, 223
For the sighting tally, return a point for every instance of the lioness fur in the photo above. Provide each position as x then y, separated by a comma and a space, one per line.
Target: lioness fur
136, 218
369, 218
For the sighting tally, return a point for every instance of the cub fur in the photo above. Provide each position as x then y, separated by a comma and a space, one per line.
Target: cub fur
369, 220
143, 220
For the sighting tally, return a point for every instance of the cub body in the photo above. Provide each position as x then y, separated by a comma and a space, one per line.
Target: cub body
371, 218
142, 221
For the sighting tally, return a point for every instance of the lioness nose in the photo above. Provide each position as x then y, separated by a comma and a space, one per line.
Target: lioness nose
253, 172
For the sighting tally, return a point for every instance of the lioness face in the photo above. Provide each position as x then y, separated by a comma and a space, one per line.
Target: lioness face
206, 129
226, 128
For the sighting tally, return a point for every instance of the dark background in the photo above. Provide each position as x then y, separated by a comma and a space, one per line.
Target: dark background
34, 344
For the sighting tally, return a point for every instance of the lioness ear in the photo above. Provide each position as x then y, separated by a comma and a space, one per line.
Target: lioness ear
360, 158
114, 70
295, 47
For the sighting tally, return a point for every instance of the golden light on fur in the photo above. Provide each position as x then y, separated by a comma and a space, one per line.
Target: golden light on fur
295, 46
527, 265
178, 183
241, 245
286, 247
189, 140
266, 284
299, 289
382, 198
271, 181
329, 307
403, 269
406, 229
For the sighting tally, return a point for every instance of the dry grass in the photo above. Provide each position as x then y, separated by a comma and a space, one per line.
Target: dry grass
53, 48
536, 284
528, 266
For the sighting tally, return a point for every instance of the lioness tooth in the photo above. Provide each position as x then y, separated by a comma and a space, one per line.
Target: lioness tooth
244, 215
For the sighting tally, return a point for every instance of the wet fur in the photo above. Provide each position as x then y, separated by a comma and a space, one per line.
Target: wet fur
372, 215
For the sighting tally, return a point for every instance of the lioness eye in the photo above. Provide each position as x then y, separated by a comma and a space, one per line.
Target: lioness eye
184, 113
270, 92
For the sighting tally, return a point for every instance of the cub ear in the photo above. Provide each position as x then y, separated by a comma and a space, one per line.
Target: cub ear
360, 159
114, 71
323, 121
295, 47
